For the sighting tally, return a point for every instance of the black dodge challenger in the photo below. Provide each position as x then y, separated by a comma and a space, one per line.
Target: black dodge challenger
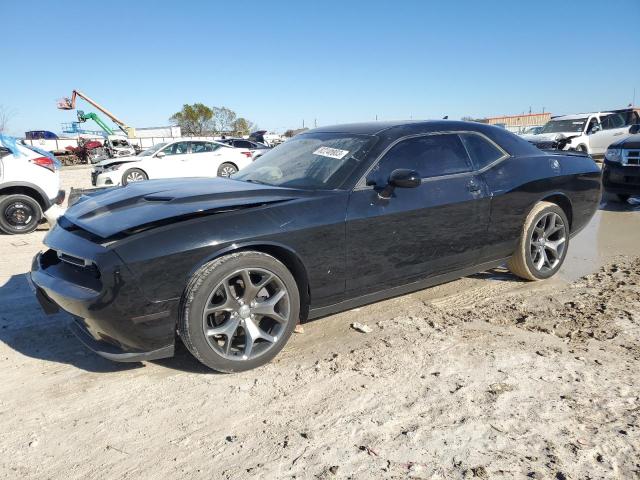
334, 218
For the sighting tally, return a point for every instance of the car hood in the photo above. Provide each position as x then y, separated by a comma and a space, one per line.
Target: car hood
145, 204
110, 161
549, 137
632, 141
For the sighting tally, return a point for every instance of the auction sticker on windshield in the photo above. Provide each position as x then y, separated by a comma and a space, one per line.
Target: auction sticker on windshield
331, 152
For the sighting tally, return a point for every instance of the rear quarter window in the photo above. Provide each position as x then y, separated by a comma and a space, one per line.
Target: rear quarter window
482, 151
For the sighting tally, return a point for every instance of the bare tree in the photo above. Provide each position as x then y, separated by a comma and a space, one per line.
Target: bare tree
223, 119
5, 117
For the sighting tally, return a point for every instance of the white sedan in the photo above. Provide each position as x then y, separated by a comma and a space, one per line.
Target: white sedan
182, 158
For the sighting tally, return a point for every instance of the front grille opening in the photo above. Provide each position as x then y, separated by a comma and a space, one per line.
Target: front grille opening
65, 257
80, 264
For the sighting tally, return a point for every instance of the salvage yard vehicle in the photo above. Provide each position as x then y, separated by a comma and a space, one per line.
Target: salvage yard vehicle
29, 187
334, 218
118, 146
590, 133
181, 158
257, 149
621, 170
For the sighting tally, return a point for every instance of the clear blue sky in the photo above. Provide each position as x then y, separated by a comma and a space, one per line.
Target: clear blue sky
277, 63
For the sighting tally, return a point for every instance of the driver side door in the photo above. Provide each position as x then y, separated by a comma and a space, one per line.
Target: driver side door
437, 227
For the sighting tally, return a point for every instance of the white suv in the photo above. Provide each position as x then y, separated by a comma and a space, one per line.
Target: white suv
181, 158
590, 133
29, 187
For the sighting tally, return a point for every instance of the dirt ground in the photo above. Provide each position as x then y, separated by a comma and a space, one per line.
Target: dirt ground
484, 377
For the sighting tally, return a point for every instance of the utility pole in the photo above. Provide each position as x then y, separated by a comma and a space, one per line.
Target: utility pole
315, 123
376, 117
303, 123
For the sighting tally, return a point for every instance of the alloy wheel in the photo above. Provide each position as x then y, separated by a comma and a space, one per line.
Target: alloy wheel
227, 171
548, 241
18, 214
246, 314
134, 177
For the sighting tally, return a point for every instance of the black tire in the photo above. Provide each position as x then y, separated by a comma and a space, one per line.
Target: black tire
531, 246
133, 175
19, 214
200, 293
581, 149
226, 169
623, 198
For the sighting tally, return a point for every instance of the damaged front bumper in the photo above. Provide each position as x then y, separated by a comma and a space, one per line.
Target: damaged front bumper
111, 315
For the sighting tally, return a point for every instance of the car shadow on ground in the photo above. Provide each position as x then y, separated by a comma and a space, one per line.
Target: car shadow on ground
25, 328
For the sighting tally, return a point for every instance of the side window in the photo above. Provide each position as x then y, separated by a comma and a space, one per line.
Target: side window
481, 151
179, 148
242, 144
430, 156
592, 124
199, 147
613, 121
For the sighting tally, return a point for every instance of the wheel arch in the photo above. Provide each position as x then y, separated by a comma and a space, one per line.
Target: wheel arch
29, 190
563, 201
282, 253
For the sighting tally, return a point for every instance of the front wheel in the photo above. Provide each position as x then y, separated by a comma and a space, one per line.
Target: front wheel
19, 214
227, 169
133, 175
238, 311
543, 243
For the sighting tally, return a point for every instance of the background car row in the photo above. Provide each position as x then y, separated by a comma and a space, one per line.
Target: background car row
180, 158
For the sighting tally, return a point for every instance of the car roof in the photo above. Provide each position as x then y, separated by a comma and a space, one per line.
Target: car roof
388, 132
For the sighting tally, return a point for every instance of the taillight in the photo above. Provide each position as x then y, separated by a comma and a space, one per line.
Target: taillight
247, 154
45, 162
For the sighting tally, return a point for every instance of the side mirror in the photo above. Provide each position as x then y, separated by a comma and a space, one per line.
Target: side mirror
401, 178
595, 129
160, 154
633, 129
405, 178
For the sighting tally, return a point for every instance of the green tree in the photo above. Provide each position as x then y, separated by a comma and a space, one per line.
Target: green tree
195, 120
242, 126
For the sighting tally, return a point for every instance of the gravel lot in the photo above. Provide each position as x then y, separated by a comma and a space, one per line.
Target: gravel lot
484, 377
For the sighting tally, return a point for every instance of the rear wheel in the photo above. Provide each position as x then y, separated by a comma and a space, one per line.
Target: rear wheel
543, 243
227, 169
133, 175
19, 214
239, 311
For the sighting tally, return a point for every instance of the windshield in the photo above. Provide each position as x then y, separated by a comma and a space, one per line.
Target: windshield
152, 150
310, 161
557, 126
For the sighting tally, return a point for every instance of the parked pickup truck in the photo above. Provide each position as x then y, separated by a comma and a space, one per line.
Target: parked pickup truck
590, 133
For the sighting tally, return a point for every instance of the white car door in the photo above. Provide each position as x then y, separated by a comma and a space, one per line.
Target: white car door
170, 162
613, 128
205, 158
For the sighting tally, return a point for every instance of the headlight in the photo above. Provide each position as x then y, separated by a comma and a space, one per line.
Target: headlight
111, 168
614, 155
